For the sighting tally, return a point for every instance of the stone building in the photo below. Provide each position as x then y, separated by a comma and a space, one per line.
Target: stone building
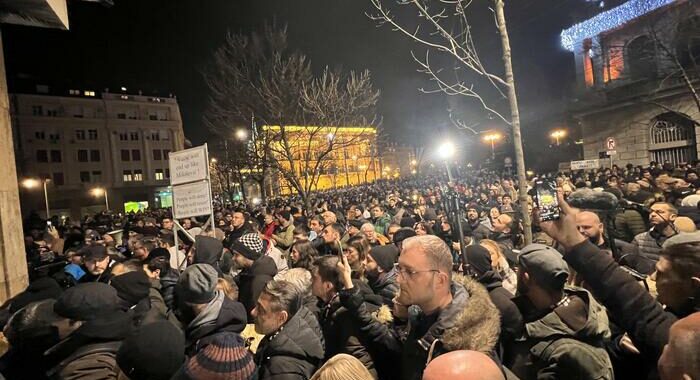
635, 68
85, 142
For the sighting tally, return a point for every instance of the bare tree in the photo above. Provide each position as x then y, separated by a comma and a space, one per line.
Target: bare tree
443, 27
298, 118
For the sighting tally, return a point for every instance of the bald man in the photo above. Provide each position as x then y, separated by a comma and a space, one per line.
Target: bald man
462, 365
680, 359
589, 225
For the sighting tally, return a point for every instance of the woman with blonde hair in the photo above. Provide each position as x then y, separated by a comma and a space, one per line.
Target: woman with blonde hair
342, 367
500, 265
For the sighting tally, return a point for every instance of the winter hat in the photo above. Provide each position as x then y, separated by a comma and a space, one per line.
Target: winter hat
403, 234
385, 256
249, 245
355, 223
225, 358
40, 289
93, 253
158, 252
197, 284
479, 258
544, 264
132, 286
88, 301
154, 351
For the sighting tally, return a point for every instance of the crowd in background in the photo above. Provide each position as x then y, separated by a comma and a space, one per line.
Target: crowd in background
416, 278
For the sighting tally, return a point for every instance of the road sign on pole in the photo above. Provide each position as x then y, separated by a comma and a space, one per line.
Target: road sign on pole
610, 144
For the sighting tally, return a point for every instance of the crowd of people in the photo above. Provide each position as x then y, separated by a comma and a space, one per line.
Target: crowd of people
416, 278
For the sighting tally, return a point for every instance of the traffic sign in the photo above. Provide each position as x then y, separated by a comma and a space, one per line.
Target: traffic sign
610, 144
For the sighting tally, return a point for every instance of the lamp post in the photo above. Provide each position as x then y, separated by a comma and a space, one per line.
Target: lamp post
446, 151
492, 138
557, 134
31, 183
98, 192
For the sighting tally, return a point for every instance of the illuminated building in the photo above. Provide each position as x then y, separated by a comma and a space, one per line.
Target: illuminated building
628, 86
351, 160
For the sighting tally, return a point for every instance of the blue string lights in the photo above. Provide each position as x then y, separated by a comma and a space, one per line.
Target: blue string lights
607, 20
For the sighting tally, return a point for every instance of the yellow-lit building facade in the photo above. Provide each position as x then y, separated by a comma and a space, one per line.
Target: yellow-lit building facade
352, 160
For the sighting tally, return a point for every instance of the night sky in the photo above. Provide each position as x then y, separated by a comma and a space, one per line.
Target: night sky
162, 45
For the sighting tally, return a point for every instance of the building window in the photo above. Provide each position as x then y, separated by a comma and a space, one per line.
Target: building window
164, 135
54, 137
121, 115
37, 110
641, 58
82, 155
74, 92
95, 155
157, 155
138, 175
92, 134
135, 155
80, 134
42, 156
52, 112
152, 115
58, 179
159, 175
123, 136
125, 155
127, 176
167, 173
166, 152
97, 176
55, 156
39, 135
84, 177
155, 136
89, 93
134, 136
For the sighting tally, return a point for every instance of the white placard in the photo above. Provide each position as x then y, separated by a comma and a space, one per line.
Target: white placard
585, 164
189, 165
192, 199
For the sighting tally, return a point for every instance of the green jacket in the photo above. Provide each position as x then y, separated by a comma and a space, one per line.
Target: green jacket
285, 238
381, 225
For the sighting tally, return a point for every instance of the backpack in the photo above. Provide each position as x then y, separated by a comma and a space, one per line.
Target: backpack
568, 358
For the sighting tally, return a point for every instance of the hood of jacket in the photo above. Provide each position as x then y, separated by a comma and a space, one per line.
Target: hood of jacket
595, 328
207, 251
470, 322
491, 280
300, 337
231, 317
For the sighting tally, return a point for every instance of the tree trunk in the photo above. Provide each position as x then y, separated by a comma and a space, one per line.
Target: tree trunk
515, 119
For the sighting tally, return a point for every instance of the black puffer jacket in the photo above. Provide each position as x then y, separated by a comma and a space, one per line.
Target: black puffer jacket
168, 285
385, 286
231, 319
251, 281
511, 320
292, 353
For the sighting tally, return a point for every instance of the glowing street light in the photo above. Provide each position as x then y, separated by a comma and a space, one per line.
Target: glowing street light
213, 160
31, 183
414, 162
98, 192
557, 134
446, 150
492, 138
241, 134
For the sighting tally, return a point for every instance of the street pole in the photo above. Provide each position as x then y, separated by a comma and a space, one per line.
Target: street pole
493, 150
458, 214
46, 201
106, 200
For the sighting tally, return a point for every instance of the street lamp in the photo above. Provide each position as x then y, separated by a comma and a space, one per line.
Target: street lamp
492, 138
213, 160
557, 134
241, 134
446, 151
31, 183
98, 192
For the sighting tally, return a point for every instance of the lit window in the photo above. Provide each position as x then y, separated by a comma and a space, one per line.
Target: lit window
138, 175
127, 176
159, 175
89, 93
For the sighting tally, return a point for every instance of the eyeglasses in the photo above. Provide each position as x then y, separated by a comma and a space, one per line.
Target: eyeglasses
406, 273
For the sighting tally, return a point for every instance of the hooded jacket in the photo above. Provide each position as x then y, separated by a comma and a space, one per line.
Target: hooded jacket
251, 281
222, 316
470, 322
208, 250
385, 286
512, 324
294, 352
566, 343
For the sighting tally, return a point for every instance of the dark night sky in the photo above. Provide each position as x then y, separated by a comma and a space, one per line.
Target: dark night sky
163, 44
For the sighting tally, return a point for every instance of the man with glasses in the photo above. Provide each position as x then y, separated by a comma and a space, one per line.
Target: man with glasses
449, 307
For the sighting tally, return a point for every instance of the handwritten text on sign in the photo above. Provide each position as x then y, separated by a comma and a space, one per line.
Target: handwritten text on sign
191, 200
188, 165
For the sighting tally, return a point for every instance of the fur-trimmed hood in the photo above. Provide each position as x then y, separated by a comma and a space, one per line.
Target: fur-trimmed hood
471, 322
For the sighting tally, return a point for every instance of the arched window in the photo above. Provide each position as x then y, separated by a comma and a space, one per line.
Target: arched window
641, 58
672, 138
688, 41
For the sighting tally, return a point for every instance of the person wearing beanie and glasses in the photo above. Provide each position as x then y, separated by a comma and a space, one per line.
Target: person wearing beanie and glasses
565, 328
205, 311
257, 270
293, 344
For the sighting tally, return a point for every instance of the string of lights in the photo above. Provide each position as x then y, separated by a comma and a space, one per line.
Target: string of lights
610, 19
